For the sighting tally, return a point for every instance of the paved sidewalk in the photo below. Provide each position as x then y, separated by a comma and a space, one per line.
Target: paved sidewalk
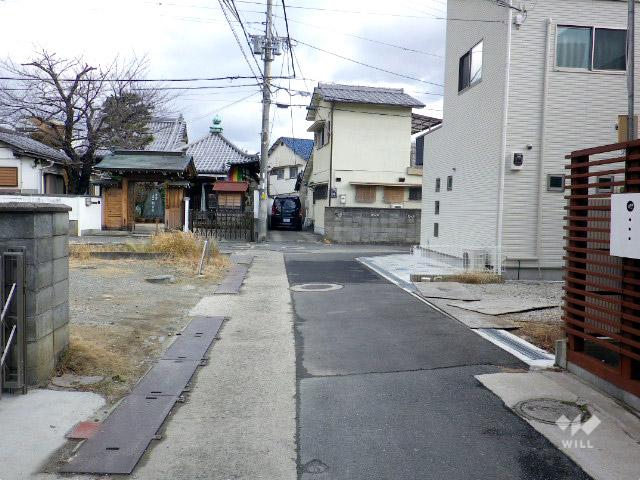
239, 420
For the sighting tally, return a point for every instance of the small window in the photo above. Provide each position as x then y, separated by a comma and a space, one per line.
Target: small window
320, 192
591, 48
280, 174
470, 68
436, 210
366, 193
437, 185
449, 183
8, 176
293, 172
419, 151
555, 183
394, 194
415, 193
605, 183
436, 229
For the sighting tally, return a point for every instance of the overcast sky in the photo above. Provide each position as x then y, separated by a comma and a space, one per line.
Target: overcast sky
191, 38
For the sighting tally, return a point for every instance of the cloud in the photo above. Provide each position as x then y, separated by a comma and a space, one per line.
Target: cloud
190, 38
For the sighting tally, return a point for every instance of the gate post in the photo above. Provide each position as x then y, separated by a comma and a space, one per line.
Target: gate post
185, 227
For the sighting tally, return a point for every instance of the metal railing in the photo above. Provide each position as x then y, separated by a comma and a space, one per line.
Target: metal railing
12, 322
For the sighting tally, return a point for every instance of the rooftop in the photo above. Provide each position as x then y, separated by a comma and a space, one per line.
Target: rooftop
215, 154
333, 92
28, 146
169, 133
139, 161
302, 147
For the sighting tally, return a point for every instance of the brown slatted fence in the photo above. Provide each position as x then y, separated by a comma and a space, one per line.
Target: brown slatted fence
602, 292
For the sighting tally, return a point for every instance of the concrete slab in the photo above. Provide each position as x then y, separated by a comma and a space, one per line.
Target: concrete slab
504, 306
448, 290
33, 427
473, 319
402, 266
239, 418
610, 451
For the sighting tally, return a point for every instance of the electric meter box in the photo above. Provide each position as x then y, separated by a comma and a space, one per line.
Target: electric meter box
625, 225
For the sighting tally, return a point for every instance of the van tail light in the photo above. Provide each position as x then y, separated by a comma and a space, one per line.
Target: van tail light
273, 209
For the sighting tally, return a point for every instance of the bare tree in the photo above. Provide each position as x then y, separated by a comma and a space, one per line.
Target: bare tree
78, 107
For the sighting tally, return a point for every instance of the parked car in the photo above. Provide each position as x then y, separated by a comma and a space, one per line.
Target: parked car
286, 212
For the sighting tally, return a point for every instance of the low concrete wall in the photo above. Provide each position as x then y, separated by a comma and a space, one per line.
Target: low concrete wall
85, 214
43, 231
372, 225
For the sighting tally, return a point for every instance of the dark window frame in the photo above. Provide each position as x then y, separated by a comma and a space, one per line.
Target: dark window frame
415, 193
465, 66
436, 230
592, 48
436, 207
449, 183
438, 186
550, 187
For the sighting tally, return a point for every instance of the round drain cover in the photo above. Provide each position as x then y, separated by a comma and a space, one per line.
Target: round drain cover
549, 410
316, 287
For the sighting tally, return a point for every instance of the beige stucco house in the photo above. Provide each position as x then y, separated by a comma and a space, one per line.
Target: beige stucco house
362, 150
288, 158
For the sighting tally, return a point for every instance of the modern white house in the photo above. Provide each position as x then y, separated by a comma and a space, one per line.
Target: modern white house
288, 158
524, 86
362, 150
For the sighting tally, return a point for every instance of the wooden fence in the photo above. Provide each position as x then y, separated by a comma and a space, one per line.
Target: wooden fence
602, 292
223, 224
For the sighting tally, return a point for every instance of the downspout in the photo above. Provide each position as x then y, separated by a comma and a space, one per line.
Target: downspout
503, 150
331, 153
543, 142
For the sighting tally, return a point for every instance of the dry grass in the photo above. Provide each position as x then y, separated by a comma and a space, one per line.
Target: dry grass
180, 250
543, 335
477, 277
115, 353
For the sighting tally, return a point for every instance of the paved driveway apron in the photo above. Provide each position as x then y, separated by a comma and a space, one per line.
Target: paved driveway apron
386, 388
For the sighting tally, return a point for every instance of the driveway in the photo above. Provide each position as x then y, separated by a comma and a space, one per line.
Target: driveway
386, 387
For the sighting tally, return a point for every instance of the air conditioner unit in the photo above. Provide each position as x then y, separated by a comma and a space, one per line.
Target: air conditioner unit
474, 259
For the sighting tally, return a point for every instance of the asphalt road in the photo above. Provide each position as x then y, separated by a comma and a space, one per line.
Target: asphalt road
386, 387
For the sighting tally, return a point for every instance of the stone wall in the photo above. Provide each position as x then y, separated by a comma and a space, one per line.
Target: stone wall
43, 230
372, 225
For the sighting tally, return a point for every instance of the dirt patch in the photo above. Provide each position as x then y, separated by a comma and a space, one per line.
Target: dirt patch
120, 323
543, 335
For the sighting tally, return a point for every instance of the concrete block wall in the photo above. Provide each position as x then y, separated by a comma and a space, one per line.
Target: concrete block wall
43, 230
372, 225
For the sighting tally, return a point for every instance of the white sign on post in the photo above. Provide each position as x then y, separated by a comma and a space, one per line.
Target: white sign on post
625, 225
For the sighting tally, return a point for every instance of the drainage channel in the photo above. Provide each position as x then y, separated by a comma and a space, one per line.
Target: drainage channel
125, 435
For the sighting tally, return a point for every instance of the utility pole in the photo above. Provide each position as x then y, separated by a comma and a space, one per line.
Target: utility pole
267, 57
631, 40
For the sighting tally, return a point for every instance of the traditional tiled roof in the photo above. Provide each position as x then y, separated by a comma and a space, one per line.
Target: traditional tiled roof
215, 154
144, 160
333, 92
28, 146
169, 134
302, 147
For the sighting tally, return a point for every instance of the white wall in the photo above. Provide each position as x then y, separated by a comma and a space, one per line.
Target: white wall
89, 217
468, 144
582, 111
29, 176
283, 157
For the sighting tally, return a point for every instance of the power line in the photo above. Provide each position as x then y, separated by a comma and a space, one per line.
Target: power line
369, 66
235, 35
286, 21
141, 80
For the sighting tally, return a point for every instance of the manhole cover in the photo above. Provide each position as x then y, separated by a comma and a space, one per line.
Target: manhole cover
549, 410
316, 287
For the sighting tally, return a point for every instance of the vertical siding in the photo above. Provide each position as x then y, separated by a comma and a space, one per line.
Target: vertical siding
469, 143
582, 110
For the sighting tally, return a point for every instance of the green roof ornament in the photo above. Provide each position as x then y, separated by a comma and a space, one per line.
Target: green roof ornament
216, 126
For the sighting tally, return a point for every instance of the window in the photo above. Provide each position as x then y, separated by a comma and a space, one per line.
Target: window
394, 194
280, 173
449, 183
293, 172
8, 177
321, 136
419, 151
436, 209
555, 183
591, 48
437, 185
365, 193
436, 230
470, 68
320, 192
415, 193
606, 185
